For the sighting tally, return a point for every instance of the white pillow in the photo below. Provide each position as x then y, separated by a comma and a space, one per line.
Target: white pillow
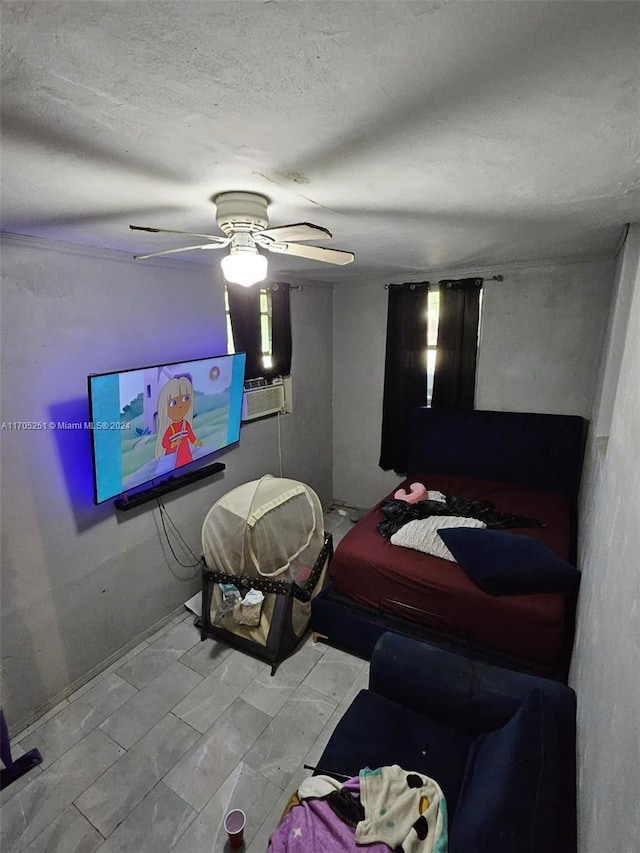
422, 534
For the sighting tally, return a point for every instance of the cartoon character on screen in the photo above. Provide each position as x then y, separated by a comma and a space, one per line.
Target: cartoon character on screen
175, 411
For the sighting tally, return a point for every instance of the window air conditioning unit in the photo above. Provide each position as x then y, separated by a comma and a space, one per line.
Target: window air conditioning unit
263, 397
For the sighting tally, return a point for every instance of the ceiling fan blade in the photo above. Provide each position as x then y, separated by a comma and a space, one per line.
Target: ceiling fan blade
314, 253
222, 241
294, 233
174, 251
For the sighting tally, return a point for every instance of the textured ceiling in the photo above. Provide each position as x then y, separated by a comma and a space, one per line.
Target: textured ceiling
423, 135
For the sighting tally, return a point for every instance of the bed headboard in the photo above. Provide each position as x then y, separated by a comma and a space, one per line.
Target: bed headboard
540, 451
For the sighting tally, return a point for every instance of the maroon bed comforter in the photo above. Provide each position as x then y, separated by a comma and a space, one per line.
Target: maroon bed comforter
369, 569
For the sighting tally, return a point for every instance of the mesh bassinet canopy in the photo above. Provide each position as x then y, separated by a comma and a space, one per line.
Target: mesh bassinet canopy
266, 536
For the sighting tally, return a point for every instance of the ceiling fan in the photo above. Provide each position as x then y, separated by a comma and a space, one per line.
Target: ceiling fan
243, 219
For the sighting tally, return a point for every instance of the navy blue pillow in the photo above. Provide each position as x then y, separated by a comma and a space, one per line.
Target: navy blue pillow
511, 787
508, 563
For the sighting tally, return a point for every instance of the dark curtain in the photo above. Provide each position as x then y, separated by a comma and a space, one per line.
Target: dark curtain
405, 369
280, 330
244, 311
454, 380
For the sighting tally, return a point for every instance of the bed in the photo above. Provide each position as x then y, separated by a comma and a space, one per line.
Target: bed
524, 464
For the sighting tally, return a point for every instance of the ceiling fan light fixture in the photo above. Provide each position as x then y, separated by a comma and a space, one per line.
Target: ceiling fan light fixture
242, 217
244, 266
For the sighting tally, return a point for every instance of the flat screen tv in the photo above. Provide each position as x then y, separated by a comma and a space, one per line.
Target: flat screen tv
149, 422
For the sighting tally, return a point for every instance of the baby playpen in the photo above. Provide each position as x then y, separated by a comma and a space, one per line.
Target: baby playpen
265, 556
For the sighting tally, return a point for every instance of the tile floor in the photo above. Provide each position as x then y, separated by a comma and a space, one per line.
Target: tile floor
150, 754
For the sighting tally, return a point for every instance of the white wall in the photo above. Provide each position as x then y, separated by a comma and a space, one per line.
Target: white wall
80, 582
541, 338
604, 669
540, 342
359, 332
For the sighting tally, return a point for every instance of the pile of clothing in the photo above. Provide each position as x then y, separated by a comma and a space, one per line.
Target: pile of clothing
384, 809
398, 512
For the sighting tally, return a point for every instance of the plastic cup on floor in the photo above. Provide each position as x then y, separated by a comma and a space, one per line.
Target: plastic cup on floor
234, 824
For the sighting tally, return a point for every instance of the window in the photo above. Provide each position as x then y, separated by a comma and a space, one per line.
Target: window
454, 377
265, 328
266, 338
433, 305
408, 357
258, 322
430, 356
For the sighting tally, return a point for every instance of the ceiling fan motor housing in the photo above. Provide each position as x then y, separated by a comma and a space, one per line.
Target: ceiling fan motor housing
238, 211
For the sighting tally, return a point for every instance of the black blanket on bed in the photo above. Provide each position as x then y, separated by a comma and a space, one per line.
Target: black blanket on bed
398, 513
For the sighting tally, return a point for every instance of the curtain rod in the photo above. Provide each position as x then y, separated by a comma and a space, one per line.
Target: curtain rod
414, 284
276, 285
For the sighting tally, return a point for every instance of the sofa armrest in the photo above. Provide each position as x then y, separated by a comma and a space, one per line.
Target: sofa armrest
457, 690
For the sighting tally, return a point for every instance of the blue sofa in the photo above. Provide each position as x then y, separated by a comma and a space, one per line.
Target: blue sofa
500, 743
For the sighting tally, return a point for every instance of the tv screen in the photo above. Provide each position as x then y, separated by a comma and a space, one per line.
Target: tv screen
151, 421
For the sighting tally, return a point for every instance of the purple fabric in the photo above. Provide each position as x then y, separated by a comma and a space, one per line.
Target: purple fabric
312, 826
